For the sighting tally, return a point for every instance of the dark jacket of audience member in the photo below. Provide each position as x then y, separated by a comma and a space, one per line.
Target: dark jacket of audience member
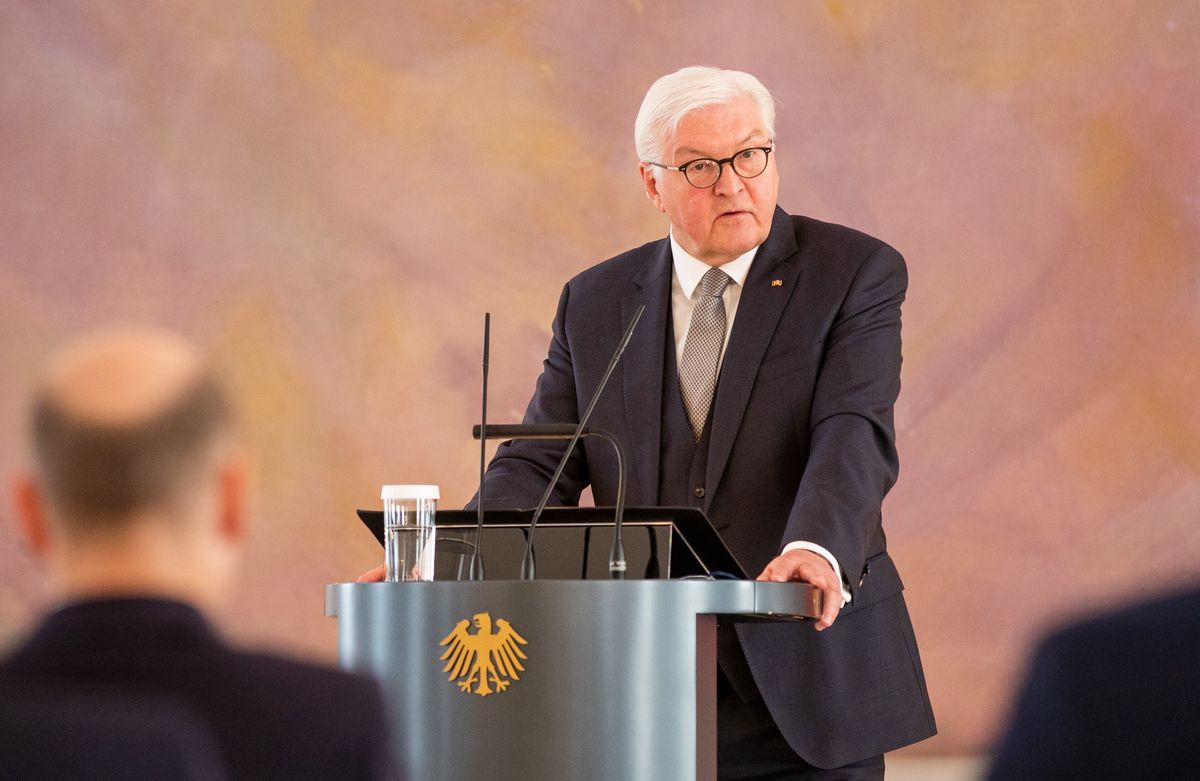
270, 717
101, 734
1114, 697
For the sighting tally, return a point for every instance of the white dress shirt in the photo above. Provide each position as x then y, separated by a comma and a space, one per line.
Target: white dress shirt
684, 282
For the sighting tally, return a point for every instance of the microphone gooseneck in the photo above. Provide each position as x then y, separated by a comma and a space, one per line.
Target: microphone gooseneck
617, 560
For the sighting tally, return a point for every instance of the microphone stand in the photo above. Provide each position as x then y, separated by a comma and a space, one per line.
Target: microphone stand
475, 571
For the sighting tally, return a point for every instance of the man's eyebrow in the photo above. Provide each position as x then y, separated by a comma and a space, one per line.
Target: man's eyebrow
688, 150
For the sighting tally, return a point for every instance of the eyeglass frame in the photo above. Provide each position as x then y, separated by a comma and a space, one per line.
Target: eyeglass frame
720, 165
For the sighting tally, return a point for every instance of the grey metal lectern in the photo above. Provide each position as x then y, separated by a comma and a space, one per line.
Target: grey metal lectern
554, 679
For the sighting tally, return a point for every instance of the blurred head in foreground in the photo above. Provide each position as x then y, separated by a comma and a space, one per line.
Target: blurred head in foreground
136, 485
134, 498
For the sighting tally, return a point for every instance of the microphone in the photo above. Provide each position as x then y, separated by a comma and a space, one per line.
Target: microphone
475, 571
616, 564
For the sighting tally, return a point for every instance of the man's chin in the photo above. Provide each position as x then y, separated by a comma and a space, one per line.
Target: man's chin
736, 243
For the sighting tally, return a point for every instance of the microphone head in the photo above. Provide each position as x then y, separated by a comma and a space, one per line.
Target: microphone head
487, 337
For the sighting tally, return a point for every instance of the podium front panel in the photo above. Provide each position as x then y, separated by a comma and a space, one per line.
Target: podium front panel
609, 689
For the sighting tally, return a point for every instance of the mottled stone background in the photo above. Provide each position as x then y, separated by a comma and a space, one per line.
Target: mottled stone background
330, 194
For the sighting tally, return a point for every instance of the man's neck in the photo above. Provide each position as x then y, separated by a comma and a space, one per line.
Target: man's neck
138, 564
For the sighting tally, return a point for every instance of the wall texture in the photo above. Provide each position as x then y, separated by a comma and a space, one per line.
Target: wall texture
330, 194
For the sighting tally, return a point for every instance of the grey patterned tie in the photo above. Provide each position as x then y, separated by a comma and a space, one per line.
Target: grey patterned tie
702, 351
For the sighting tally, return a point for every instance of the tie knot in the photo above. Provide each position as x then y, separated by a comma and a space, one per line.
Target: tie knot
713, 282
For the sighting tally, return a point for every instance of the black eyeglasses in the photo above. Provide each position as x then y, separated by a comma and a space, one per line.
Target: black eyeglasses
705, 172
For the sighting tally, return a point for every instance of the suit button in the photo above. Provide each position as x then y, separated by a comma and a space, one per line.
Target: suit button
699, 492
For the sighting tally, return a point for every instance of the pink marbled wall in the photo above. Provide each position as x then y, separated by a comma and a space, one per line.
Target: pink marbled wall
330, 194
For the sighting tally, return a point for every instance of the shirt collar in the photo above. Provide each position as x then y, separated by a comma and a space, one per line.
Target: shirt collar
689, 270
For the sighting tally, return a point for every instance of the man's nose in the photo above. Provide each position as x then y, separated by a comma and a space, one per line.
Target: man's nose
728, 182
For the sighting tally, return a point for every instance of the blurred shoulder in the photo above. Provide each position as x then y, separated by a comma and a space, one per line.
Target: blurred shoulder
306, 680
1163, 625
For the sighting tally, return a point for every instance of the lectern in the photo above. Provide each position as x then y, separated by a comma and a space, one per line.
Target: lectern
570, 679
557, 678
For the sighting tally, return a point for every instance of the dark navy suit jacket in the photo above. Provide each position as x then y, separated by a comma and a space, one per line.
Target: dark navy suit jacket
57, 732
801, 448
271, 718
1114, 697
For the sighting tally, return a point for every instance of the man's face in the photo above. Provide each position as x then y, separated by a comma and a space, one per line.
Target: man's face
716, 224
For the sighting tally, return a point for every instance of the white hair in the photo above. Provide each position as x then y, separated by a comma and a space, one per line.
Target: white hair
677, 94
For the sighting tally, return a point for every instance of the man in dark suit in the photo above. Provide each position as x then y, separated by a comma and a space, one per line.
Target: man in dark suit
136, 504
759, 387
1112, 697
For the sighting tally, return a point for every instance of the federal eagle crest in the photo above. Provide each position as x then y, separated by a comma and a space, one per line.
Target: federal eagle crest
487, 659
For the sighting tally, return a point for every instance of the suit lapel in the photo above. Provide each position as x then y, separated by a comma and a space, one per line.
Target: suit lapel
768, 288
643, 368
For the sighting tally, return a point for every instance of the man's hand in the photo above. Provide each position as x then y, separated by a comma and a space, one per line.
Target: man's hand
808, 567
375, 575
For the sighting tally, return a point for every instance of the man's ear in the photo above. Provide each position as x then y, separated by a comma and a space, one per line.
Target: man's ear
30, 507
232, 497
651, 185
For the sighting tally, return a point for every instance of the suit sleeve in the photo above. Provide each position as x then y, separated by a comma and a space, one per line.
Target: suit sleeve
520, 471
852, 461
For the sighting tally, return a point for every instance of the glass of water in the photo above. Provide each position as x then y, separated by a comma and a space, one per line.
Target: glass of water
409, 535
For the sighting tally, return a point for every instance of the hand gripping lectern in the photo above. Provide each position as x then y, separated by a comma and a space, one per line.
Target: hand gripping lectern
552, 679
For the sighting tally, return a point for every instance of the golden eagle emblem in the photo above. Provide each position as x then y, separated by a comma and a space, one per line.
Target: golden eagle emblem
487, 659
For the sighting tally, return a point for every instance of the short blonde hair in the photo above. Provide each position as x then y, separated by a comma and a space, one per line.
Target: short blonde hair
675, 95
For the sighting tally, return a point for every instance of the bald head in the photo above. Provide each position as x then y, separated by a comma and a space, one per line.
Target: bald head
124, 423
121, 377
